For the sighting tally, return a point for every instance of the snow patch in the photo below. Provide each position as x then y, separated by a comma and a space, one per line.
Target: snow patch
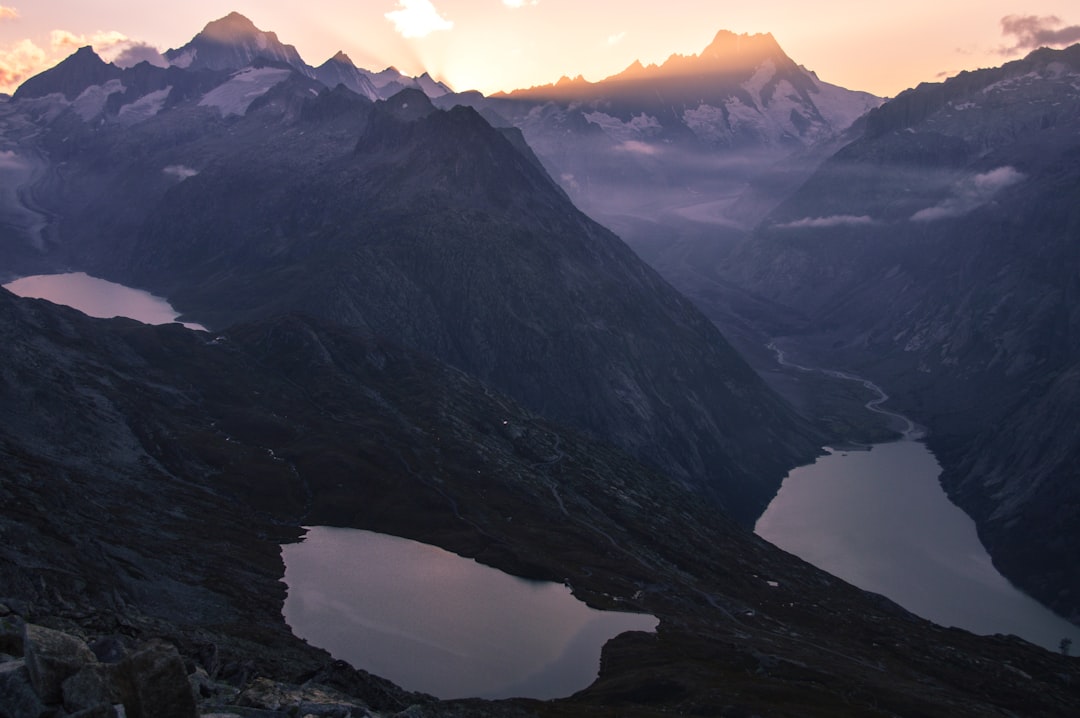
91, 102
639, 126
970, 193
185, 58
236, 95
144, 108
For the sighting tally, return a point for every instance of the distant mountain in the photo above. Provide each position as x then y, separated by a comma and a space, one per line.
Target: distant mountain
231, 43
742, 91
340, 70
937, 253
71, 77
682, 159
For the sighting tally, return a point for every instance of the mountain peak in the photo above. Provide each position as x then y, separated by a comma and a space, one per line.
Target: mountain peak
74, 74
342, 58
232, 43
230, 28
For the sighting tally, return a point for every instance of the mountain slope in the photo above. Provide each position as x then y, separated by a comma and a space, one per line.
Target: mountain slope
935, 254
433, 229
268, 193
206, 451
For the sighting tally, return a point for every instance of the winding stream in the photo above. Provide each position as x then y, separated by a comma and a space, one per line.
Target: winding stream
879, 519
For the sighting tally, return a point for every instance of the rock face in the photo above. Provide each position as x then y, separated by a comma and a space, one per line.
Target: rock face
934, 254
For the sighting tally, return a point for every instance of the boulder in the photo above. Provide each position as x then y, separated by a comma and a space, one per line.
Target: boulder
95, 684
158, 683
11, 635
17, 695
51, 658
109, 649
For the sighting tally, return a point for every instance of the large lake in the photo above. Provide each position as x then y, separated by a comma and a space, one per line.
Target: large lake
97, 297
880, 520
435, 622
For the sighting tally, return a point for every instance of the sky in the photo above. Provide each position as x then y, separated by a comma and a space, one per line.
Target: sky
492, 45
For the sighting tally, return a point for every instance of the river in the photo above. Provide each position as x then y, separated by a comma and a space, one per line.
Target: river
878, 518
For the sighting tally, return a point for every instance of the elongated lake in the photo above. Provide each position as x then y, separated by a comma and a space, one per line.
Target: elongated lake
97, 297
880, 520
435, 622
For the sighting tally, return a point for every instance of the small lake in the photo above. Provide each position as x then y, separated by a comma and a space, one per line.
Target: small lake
98, 297
880, 520
434, 622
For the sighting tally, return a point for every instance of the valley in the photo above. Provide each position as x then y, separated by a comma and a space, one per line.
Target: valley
541, 330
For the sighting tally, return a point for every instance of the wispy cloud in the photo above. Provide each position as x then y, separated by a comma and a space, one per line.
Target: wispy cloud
18, 62
519, 3
181, 172
112, 46
8, 13
616, 38
68, 42
637, 148
971, 193
417, 18
833, 220
1031, 31
133, 52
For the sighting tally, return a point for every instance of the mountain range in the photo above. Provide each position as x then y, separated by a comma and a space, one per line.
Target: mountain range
935, 254
416, 331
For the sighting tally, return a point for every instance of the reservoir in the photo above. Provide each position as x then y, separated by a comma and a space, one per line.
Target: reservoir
879, 519
434, 622
97, 297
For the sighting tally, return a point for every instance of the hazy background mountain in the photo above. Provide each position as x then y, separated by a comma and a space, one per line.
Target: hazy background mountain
937, 254
681, 159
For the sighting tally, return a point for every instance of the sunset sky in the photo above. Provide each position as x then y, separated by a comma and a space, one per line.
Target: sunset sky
493, 45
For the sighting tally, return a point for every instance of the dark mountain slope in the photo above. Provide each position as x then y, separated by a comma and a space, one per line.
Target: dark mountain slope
202, 452
432, 229
937, 254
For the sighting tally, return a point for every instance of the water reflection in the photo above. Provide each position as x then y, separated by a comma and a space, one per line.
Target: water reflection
880, 520
97, 297
434, 622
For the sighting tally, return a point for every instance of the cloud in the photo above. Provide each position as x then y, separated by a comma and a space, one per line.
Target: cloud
132, 53
11, 161
180, 172
8, 13
22, 60
515, 4
970, 193
417, 18
616, 38
1031, 31
637, 148
835, 220
69, 42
